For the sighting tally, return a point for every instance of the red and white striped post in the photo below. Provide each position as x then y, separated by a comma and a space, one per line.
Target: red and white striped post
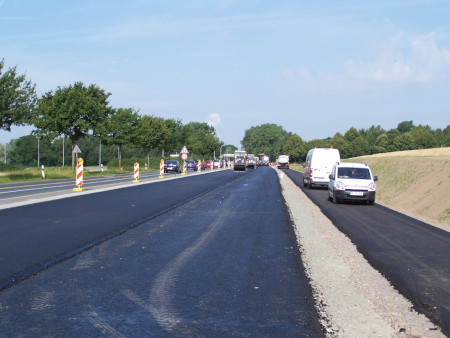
161, 169
79, 177
136, 173
199, 166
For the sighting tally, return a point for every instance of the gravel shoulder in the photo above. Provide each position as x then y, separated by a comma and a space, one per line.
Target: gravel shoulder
352, 298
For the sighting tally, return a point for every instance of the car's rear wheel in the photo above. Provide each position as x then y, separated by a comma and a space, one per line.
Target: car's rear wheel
308, 185
372, 202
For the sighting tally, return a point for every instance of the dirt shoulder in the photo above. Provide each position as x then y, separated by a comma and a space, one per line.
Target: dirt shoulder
416, 182
352, 298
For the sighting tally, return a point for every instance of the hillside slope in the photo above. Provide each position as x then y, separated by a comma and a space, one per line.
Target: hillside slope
415, 181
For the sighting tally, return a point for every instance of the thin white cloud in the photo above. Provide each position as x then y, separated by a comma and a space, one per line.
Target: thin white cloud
400, 60
403, 58
214, 120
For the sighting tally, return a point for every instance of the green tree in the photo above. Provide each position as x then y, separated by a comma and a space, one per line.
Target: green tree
405, 126
72, 112
175, 136
382, 141
338, 142
265, 139
120, 128
351, 134
404, 142
372, 134
17, 99
423, 139
317, 143
295, 148
201, 139
359, 147
392, 134
152, 133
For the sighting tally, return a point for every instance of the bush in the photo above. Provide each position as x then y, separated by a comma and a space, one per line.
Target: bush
9, 167
128, 163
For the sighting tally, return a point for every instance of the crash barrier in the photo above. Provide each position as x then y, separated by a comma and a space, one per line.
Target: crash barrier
161, 169
79, 176
136, 173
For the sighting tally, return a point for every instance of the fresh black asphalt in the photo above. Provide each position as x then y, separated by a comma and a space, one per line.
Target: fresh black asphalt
224, 264
412, 255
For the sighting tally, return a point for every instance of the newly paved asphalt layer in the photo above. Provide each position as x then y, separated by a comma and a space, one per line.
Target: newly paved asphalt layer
224, 263
412, 255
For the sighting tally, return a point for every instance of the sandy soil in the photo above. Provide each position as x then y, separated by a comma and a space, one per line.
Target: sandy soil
416, 184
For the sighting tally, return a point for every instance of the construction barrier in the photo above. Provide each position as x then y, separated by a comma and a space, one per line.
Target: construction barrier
184, 168
136, 173
79, 176
161, 169
199, 166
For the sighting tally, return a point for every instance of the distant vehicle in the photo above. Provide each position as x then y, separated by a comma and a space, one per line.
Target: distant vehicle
318, 165
265, 160
208, 164
172, 165
283, 161
352, 182
191, 165
240, 160
251, 163
216, 163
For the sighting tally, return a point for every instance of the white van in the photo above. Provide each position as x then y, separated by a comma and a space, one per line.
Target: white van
318, 165
352, 181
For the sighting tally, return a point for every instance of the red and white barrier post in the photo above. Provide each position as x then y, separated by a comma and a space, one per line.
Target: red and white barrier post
136, 173
161, 169
199, 166
79, 177
184, 168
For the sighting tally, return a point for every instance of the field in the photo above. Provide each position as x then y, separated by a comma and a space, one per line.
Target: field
415, 181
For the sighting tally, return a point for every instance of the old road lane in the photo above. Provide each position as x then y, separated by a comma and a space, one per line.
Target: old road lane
220, 261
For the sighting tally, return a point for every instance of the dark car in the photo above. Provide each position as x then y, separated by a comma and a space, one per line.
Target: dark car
191, 165
172, 165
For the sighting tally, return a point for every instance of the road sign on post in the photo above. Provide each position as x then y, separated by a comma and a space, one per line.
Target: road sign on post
184, 153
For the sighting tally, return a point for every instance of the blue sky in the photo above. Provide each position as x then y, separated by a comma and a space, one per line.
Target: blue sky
313, 67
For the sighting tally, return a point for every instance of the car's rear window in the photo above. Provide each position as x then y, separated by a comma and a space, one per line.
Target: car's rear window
171, 162
354, 173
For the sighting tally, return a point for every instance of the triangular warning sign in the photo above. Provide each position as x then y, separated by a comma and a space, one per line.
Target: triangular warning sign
184, 150
76, 149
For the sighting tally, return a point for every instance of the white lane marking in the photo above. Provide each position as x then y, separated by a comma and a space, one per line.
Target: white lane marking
70, 185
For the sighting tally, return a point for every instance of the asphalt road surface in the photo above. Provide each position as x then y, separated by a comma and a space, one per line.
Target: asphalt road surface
23, 191
221, 261
412, 255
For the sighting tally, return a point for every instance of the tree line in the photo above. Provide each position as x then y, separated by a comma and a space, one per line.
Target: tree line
82, 114
273, 140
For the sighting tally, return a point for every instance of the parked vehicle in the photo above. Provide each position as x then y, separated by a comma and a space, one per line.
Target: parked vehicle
216, 163
283, 162
352, 181
208, 164
240, 160
172, 165
318, 165
191, 165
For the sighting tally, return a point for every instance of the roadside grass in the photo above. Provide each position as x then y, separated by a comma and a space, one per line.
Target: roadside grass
54, 173
297, 167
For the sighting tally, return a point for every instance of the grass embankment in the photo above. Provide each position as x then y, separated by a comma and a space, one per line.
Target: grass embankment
297, 167
415, 181
52, 173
